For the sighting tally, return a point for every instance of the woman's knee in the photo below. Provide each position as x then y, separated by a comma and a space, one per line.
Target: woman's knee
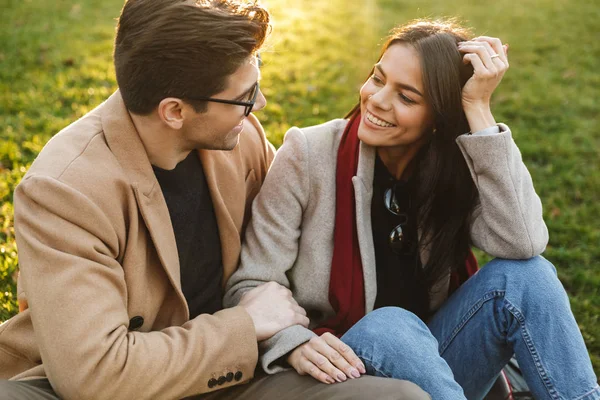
534, 279
391, 319
534, 266
391, 328
534, 272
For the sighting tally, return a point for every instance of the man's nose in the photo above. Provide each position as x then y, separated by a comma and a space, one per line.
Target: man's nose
260, 102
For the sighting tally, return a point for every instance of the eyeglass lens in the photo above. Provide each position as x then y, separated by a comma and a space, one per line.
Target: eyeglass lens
252, 98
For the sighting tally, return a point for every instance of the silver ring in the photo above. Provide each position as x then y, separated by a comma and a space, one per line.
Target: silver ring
494, 56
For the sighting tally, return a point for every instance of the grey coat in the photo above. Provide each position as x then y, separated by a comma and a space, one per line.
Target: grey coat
290, 236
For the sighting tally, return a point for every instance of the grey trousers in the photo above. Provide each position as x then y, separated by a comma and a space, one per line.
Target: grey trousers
286, 385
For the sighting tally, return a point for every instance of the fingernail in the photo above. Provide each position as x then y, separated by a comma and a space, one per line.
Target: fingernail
361, 368
341, 378
355, 373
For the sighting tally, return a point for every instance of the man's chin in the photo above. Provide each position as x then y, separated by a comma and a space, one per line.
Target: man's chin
228, 145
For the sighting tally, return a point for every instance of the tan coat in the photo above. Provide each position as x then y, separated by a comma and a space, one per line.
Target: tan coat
96, 249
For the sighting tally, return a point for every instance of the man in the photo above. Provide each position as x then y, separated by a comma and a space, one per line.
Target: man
129, 224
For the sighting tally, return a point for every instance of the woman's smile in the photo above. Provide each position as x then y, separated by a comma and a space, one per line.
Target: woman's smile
370, 117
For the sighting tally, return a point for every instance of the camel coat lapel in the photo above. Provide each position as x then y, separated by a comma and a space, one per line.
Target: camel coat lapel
126, 145
224, 181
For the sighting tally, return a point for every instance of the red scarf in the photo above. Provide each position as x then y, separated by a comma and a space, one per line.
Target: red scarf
346, 285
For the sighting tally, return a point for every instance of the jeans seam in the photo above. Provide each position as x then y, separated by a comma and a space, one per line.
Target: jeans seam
532, 351
468, 315
590, 395
372, 364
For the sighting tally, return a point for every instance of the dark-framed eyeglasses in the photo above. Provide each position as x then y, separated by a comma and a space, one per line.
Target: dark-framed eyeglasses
248, 104
398, 240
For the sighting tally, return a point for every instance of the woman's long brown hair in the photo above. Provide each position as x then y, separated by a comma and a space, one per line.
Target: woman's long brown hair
446, 193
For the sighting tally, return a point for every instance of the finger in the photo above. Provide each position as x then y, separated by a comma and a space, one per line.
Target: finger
300, 319
310, 368
482, 51
497, 56
496, 44
336, 366
298, 309
478, 67
293, 301
505, 48
312, 354
346, 353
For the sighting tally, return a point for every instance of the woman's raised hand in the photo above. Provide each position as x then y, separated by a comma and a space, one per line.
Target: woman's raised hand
327, 359
488, 56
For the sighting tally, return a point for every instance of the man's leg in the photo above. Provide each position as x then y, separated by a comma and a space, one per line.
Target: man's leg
515, 306
35, 389
291, 386
393, 342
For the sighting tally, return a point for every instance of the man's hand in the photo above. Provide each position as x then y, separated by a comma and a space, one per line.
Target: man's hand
327, 359
272, 308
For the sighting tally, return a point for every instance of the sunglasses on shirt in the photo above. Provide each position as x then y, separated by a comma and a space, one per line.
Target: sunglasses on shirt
398, 241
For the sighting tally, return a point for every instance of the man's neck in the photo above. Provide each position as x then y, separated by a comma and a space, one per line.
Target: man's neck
162, 145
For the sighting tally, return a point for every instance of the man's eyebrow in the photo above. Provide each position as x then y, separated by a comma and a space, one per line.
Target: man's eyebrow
398, 84
247, 90
250, 88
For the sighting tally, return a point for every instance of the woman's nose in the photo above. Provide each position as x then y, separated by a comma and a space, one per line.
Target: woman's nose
380, 99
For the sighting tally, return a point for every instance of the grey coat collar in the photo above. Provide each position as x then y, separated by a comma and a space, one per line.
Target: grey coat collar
363, 190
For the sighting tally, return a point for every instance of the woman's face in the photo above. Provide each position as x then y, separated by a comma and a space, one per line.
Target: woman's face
394, 112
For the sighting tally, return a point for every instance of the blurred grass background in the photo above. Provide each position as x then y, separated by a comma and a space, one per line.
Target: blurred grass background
55, 65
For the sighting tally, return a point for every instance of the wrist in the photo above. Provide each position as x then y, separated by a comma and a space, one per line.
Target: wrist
479, 117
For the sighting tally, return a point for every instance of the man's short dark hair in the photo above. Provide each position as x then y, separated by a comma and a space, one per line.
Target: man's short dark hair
181, 48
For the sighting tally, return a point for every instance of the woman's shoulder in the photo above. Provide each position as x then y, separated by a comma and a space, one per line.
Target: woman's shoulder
315, 145
325, 132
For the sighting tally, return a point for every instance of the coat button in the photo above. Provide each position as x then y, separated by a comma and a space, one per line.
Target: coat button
212, 383
229, 376
136, 323
221, 380
238, 375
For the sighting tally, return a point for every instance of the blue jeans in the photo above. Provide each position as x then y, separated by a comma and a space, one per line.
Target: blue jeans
509, 306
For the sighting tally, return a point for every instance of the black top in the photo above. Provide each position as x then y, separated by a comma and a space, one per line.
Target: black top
196, 233
399, 272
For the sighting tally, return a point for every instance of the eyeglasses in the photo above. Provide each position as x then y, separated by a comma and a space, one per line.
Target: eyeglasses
398, 240
248, 104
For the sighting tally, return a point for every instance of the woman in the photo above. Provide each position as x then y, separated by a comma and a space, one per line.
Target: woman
369, 221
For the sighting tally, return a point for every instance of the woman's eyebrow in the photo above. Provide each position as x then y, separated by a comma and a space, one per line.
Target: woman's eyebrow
398, 84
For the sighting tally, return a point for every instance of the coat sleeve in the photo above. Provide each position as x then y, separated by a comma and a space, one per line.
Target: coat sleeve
68, 251
270, 247
507, 222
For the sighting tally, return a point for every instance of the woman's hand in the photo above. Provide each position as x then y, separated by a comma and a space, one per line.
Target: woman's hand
327, 359
488, 57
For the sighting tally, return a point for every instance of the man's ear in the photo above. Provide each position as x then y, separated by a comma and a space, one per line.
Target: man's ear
170, 111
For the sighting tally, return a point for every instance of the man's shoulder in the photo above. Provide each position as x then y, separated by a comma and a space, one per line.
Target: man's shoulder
78, 153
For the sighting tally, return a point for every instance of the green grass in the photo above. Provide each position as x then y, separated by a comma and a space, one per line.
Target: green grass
55, 65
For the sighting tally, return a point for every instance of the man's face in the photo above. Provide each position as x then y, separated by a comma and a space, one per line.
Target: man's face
219, 127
